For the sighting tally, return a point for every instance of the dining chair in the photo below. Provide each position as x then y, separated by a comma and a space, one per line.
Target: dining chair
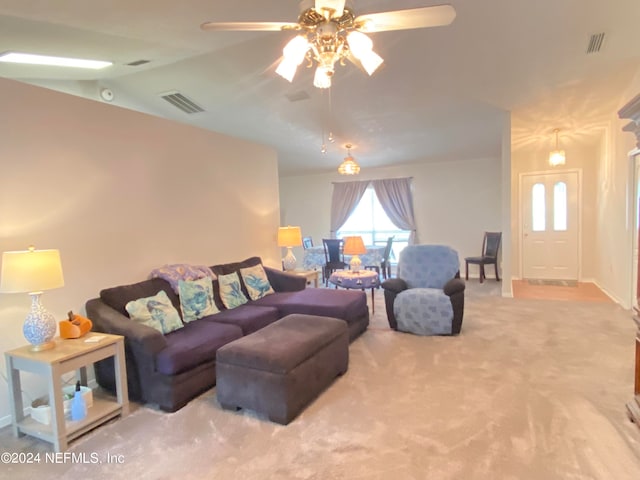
385, 264
490, 247
307, 242
334, 257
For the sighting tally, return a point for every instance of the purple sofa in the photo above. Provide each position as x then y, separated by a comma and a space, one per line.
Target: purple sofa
169, 370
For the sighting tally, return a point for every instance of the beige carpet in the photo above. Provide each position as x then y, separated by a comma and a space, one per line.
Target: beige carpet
531, 389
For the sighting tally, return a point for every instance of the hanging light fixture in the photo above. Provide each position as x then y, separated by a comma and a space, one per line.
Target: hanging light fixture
328, 38
557, 157
349, 165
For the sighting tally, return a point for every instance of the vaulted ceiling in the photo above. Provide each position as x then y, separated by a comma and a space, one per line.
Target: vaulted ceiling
441, 94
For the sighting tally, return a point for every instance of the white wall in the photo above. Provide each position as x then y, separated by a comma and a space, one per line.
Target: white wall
454, 202
119, 193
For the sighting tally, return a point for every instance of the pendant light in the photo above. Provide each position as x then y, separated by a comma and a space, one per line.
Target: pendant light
349, 165
557, 157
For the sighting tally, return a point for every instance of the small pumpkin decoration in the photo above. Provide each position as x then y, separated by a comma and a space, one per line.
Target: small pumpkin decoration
75, 326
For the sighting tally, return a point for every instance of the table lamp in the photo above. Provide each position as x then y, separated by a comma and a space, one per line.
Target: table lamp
289, 237
33, 271
354, 246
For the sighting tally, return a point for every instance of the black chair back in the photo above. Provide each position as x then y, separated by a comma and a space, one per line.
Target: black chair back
333, 250
491, 244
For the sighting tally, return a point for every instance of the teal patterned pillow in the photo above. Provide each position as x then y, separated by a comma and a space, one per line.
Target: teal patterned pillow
157, 312
230, 290
196, 299
256, 281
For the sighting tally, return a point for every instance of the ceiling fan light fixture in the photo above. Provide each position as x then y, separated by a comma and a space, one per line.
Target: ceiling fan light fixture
335, 8
296, 49
362, 48
287, 70
371, 61
322, 77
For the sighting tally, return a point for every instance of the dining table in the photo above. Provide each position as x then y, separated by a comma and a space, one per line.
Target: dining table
314, 259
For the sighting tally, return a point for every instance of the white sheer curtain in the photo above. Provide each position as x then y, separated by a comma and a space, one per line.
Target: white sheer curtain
396, 199
345, 198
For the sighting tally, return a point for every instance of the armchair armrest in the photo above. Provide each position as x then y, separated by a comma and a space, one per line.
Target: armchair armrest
453, 286
285, 282
109, 320
395, 285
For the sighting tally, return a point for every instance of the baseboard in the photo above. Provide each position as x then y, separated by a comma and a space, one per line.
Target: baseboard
614, 298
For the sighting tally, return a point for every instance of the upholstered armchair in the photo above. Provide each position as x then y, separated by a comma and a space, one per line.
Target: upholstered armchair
427, 297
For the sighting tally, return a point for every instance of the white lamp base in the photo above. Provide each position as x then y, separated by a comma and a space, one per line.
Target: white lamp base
355, 263
39, 327
289, 260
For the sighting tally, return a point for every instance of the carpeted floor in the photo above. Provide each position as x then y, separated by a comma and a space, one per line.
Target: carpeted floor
531, 389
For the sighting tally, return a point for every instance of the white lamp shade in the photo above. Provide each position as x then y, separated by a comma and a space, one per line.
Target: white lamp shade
371, 61
322, 77
30, 271
289, 237
296, 49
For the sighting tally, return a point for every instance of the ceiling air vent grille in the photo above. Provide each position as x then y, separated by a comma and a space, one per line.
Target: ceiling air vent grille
137, 63
181, 102
595, 43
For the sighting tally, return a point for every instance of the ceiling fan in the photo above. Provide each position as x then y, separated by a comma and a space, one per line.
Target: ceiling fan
330, 32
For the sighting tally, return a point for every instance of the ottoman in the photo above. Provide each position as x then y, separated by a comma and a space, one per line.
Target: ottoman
281, 368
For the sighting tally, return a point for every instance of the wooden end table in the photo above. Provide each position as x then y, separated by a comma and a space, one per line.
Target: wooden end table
310, 275
67, 356
361, 280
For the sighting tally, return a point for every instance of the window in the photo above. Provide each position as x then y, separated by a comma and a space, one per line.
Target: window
538, 208
560, 207
370, 221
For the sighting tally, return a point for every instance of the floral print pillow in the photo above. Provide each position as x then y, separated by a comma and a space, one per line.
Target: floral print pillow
256, 281
196, 299
157, 312
230, 290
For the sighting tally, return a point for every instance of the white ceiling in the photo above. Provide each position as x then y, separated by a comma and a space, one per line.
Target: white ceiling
441, 93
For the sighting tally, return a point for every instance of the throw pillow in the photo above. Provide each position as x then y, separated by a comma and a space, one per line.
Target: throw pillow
231, 291
157, 312
196, 299
256, 281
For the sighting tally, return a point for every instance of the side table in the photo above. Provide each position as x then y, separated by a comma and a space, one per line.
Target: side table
310, 275
357, 280
67, 356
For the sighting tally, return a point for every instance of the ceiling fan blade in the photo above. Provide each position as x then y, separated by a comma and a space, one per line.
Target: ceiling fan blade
335, 6
437, 16
250, 26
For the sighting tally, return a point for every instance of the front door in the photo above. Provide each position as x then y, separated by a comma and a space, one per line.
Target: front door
550, 230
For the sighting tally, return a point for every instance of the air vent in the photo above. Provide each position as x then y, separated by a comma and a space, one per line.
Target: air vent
297, 96
138, 63
595, 43
178, 100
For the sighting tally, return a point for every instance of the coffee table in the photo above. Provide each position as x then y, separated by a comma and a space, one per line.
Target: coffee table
361, 280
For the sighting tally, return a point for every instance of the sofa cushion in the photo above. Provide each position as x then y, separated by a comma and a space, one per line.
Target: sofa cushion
196, 298
231, 291
256, 281
344, 304
194, 344
234, 267
118, 297
249, 318
155, 312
